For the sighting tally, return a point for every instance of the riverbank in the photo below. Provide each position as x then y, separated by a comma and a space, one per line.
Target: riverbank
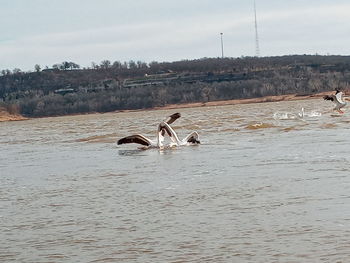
6, 116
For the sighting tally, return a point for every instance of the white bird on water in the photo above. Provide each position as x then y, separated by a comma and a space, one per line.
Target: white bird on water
163, 128
337, 99
302, 113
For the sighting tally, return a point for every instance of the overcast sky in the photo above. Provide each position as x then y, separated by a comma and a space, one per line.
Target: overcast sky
46, 32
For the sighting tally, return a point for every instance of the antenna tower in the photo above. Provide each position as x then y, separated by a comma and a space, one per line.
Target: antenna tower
257, 50
222, 46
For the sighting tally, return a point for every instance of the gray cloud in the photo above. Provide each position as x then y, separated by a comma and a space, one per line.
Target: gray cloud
296, 30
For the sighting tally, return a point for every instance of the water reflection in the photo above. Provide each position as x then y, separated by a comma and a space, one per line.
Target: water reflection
130, 152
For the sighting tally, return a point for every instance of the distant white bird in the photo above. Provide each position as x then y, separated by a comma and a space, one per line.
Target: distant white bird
337, 99
302, 113
163, 128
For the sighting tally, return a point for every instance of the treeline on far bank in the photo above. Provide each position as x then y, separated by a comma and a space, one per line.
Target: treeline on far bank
65, 89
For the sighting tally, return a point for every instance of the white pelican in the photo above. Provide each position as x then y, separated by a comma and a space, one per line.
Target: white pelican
337, 99
190, 139
163, 128
302, 113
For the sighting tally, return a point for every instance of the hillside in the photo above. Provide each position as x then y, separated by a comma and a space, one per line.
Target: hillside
110, 87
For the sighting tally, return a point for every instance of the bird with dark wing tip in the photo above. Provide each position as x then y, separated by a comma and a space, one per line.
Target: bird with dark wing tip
337, 99
163, 128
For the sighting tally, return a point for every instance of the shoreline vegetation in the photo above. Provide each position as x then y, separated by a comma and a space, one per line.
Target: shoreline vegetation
67, 89
6, 116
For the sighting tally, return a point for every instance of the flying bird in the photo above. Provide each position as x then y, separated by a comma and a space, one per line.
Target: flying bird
337, 99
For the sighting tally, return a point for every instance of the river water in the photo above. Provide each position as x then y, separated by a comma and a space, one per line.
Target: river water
264, 186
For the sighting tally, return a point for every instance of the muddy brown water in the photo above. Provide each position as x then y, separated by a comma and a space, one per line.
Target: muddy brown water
264, 186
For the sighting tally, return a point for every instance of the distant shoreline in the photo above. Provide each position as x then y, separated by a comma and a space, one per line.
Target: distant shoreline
5, 116
277, 98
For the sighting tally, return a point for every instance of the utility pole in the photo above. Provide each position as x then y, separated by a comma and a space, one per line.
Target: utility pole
222, 46
257, 50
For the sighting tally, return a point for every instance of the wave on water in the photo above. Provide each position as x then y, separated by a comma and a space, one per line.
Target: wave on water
106, 138
259, 125
314, 114
141, 150
114, 175
328, 126
130, 152
292, 128
285, 116
296, 116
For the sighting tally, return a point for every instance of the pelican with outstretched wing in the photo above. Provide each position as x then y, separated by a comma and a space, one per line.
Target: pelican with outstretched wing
163, 129
337, 99
191, 139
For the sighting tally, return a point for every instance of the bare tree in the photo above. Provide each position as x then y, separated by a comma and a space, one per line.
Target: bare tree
37, 68
16, 70
105, 64
94, 65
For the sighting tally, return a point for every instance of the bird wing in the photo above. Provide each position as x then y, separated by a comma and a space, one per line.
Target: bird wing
192, 138
165, 128
137, 138
172, 118
339, 97
330, 97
